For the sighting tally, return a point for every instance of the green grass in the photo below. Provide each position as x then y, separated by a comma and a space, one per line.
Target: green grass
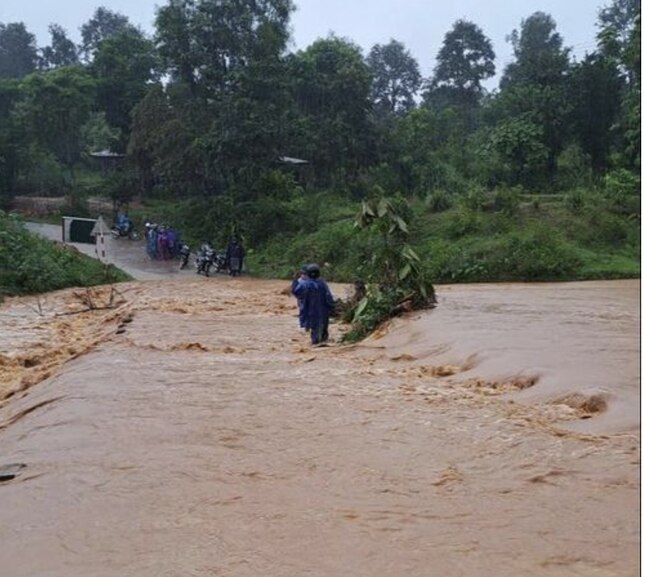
607, 266
31, 265
463, 245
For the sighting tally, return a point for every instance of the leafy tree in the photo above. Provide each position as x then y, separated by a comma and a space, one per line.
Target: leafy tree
632, 103
18, 53
61, 52
98, 135
124, 64
175, 41
55, 108
331, 87
396, 77
465, 60
518, 143
431, 150
539, 55
618, 23
595, 91
534, 85
169, 144
228, 56
144, 148
206, 42
102, 25
620, 42
12, 140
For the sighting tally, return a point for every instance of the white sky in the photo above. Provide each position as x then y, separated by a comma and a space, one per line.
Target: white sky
419, 24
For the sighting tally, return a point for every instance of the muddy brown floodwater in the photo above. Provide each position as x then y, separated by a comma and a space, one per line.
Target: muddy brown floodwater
189, 430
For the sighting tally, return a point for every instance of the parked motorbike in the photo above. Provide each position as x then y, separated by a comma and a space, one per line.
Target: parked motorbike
204, 260
208, 258
124, 231
219, 261
184, 255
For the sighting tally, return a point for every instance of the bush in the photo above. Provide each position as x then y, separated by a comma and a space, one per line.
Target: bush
462, 222
537, 254
575, 201
574, 168
439, 200
620, 183
474, 199
507, 200
336, 246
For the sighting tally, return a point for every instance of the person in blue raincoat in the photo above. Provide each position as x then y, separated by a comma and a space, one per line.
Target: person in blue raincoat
123, 222
317, 304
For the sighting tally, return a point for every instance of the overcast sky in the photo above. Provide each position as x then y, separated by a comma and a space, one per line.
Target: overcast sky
419, 24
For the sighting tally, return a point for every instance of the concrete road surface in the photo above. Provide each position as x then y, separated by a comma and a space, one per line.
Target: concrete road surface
128, 255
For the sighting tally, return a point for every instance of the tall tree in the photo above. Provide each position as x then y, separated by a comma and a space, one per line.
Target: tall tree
124, 64
61, 52
617, 23
55, 108
396, 77
540, 58
332, 86
205, 42
595, 91
175, 42
13, 140
620, 43
145, 146
227, 94
102, 25
465, 60
534, 85
18, 52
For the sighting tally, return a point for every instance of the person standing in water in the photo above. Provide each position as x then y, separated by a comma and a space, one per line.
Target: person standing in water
317, 303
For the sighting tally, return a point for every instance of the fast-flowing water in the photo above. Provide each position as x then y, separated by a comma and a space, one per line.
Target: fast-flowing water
186, 427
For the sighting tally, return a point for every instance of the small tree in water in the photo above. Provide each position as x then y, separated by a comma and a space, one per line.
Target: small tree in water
395, 278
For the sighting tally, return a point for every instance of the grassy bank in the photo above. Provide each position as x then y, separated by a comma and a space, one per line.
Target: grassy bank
486, 239
475, 237
470, 244
31, 265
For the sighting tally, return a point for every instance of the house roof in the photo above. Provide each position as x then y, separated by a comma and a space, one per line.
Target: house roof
291, 160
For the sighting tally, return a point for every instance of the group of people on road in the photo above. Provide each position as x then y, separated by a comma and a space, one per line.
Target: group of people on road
162, 242
315, 303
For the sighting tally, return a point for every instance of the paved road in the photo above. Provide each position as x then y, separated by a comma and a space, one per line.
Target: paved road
128, 255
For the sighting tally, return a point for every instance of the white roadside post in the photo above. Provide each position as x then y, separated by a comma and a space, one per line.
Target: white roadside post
103, 239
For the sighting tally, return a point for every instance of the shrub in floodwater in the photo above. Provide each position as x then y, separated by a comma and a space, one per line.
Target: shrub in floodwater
396, 281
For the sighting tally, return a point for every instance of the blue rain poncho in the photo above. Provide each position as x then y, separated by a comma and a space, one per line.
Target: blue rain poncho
317, 306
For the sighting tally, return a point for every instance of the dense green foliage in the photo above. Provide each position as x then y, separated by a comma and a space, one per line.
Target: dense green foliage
29, 264
234, 102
